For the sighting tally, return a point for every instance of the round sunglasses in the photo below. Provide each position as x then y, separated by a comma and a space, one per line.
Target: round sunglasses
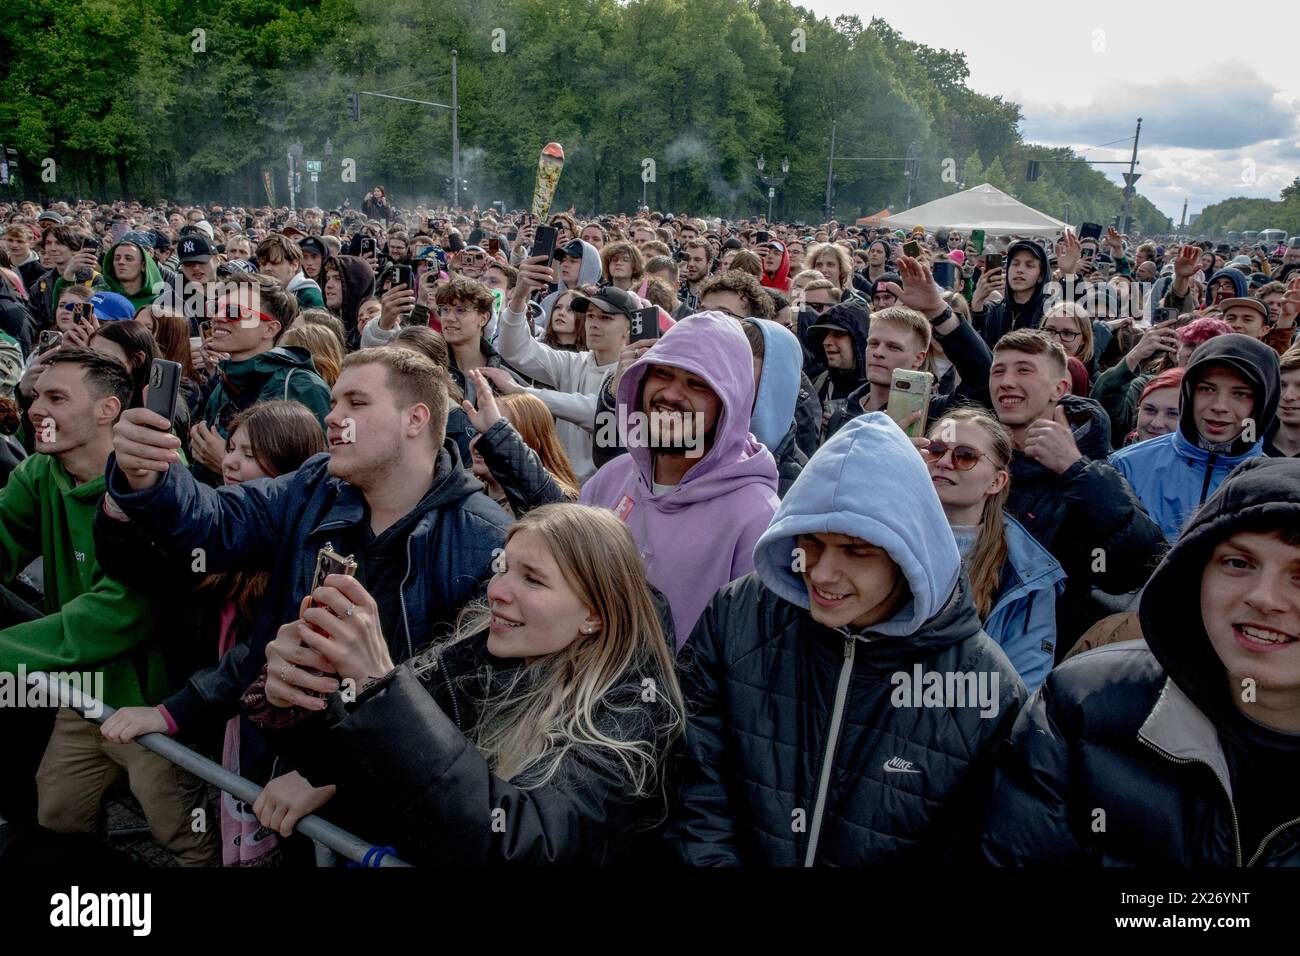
964, 457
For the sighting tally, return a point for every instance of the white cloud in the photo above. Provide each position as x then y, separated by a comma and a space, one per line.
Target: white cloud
1211, 95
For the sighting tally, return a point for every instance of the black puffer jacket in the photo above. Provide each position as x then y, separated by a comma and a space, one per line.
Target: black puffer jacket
410, 777
761, 679
1089, 518
1148, 731
997, 320
518, 469
803, 744
807, 417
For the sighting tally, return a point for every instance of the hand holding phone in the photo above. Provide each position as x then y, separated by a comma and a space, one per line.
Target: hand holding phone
163, 393
909, 400
644, 324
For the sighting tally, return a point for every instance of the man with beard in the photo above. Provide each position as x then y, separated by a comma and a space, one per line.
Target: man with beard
699, 260
695, 489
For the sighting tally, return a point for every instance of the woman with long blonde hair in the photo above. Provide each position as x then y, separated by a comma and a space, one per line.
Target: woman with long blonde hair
538, 733
1013, 579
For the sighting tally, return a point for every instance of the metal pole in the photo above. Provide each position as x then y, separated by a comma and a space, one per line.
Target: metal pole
455, 136
338, 840
292, 205
830, 173
1130, 188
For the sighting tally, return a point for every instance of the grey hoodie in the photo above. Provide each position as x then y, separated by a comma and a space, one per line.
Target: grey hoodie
589, 273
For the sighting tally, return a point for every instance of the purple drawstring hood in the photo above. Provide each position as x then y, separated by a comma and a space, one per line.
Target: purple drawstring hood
698, 535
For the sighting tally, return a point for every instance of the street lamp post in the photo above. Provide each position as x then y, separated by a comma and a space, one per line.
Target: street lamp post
329, 152
295, 156
772, 182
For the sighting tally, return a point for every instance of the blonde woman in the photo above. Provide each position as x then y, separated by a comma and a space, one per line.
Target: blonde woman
832, 261
1013, 579
1069, 324
538, 733
323, 345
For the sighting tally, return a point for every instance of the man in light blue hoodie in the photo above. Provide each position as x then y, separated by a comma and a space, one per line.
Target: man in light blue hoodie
778, 362
1229, 397
843, 699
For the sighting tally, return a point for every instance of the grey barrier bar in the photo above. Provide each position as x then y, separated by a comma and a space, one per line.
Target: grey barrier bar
323, 832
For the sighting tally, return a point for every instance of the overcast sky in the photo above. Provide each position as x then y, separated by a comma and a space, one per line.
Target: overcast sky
1219, 98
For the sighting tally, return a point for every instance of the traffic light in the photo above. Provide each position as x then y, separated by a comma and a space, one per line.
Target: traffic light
354, 104
1031, 174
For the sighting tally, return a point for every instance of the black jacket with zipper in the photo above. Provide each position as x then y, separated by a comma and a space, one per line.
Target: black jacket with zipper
970, 358
1131, 754
763, 684
410, 777
518, 469
1089, 517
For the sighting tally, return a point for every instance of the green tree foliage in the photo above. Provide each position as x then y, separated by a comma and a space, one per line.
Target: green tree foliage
1240, 214
196, 100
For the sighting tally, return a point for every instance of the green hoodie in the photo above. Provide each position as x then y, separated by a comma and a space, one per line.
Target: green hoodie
93, 622
286, 371
154, 284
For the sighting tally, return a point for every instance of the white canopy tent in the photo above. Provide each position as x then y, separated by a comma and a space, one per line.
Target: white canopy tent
983, 207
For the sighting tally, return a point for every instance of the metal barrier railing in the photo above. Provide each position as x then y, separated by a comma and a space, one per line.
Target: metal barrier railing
321, 831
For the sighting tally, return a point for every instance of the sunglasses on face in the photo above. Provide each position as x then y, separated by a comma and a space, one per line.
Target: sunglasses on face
820, 307
964, 457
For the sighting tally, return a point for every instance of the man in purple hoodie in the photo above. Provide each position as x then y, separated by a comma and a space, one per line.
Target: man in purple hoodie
695, 489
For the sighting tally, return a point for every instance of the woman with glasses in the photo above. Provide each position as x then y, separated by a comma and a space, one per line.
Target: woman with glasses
1069, 324
1014, 580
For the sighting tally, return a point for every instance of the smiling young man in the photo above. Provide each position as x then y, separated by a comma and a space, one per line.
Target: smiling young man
250, 316
464, 308
695, 489
94, 623
390, 491
901, 336
1180, 751
1063, 490
809, 740
1022, 281
1282, 440
1229, 400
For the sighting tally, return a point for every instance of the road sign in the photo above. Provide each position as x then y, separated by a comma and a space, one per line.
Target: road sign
771, 192
313, 165
1131, 178
314, 178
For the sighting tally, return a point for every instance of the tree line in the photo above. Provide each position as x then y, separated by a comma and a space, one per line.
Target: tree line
196, 100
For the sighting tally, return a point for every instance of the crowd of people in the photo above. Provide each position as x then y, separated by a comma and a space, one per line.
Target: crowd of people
634, 545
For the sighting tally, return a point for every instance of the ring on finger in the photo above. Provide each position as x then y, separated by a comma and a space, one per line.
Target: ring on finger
284, 672
348, 612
